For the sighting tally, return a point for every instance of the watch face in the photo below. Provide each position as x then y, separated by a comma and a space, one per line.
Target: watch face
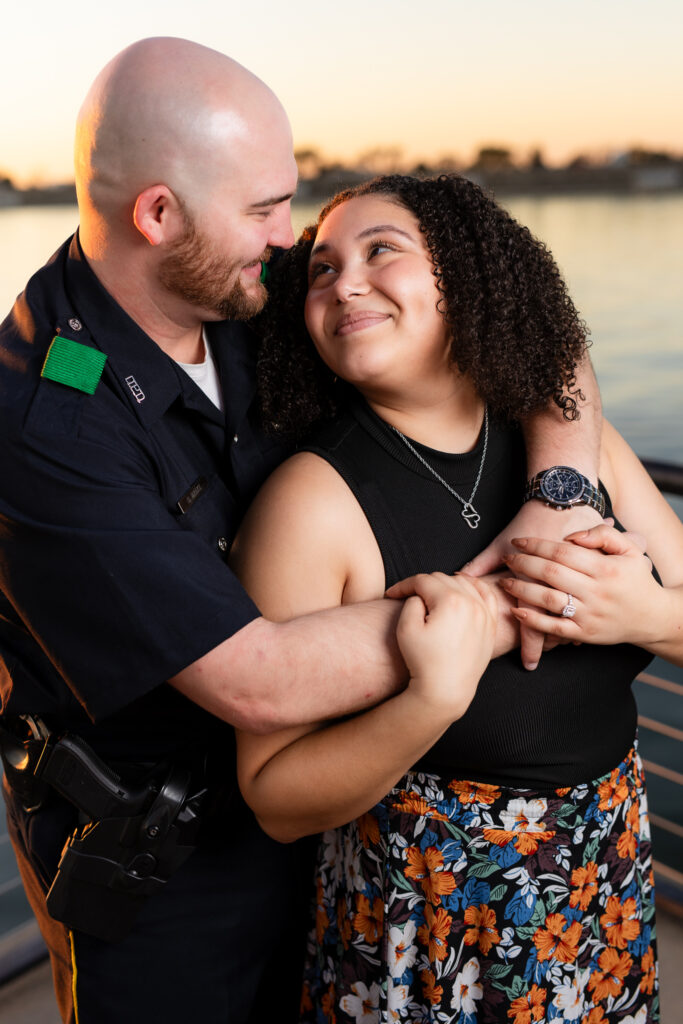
561, 485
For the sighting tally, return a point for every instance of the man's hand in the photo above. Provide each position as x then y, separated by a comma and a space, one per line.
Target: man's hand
507, 626
534, 519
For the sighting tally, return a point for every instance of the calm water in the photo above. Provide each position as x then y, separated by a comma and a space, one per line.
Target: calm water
622, 257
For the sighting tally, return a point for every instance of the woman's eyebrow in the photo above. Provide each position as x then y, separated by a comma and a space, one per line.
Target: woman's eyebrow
384, 227
365, 233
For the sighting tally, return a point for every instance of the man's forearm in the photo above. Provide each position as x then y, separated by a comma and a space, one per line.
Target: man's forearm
550, 437
272, 675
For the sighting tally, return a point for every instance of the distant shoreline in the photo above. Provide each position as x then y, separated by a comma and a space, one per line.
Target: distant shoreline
624, 179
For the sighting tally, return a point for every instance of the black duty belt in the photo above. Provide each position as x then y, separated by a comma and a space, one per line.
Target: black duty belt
131, 839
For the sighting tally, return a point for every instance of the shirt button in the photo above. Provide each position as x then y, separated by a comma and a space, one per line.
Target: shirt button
222, 544
235, 439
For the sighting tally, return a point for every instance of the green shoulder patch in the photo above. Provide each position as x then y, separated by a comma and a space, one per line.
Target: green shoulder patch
68, 362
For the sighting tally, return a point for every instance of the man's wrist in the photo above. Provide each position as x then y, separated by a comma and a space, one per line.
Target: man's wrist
564, 487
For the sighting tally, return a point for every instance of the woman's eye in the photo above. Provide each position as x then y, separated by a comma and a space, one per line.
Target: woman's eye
379, 247
319, 269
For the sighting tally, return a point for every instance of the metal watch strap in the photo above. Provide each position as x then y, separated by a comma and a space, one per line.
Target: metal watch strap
594, 497
591, 495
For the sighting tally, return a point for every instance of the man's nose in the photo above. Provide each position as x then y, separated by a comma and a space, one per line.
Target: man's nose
282, 234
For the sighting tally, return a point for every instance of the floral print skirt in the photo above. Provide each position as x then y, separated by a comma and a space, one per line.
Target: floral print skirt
459, 901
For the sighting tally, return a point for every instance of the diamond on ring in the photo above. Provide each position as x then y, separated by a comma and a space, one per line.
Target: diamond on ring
569, 610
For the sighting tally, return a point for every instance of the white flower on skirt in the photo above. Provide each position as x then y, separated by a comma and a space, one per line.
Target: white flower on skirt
465, 988
363, 1004
402, 951
640, 1017
398, 997
524, 815
352, 872
569, 998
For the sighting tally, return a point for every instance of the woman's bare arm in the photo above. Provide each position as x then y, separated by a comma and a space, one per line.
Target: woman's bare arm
307, 543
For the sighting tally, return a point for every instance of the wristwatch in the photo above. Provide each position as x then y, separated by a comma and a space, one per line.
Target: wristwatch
563, 487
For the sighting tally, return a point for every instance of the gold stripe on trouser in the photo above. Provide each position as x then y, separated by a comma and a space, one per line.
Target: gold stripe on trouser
74, 976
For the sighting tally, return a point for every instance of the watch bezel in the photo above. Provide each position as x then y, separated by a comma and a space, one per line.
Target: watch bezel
554, 499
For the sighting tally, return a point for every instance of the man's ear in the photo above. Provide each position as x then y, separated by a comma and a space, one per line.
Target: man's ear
157, 214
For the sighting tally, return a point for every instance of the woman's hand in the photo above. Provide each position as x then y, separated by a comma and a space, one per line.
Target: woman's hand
609, 578
446, 634
534, 518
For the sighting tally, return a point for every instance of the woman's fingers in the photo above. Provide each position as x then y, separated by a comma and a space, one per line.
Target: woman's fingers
433, 586
554, 625
553, 574
540, 597
609, 541
561, 554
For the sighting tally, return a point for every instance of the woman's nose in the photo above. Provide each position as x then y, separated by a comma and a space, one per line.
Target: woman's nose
350, 281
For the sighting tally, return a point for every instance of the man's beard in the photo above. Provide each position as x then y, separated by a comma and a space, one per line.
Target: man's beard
193, 271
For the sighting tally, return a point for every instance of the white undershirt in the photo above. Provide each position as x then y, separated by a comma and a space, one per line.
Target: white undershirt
205, 375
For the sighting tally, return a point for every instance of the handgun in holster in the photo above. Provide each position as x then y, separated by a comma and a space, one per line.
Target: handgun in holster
131, 839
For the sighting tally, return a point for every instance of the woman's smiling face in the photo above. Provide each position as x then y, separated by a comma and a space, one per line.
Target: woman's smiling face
371, 307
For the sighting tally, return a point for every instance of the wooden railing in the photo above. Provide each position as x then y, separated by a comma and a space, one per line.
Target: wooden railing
660, 727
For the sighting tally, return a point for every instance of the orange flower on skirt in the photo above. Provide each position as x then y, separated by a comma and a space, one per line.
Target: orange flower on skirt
432, 991
612, 791
596, 1016
585, 882
627, 842
368, 920
343, 924
413, 803
556, 941
306, 1001
434, 933
528, 1008
522, 825
649, 969
327, 1004
426, 868
619, 921
474, 792
368, 826
483, 930
609, 979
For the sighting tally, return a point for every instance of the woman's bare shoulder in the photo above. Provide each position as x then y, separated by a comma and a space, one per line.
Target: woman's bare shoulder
307, 535
304, 484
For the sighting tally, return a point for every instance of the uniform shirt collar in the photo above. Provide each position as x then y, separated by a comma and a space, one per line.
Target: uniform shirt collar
149, 378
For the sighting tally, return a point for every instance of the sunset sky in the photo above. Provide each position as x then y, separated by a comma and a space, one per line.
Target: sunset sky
436, 78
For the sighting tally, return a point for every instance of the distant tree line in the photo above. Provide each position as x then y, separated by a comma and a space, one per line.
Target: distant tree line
495, 167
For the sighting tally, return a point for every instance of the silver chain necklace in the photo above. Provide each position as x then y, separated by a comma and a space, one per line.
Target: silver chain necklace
469, 512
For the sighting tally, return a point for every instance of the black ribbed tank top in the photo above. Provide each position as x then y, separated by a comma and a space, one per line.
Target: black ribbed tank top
573, 718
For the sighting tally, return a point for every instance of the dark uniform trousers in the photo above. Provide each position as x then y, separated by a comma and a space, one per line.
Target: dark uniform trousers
221, 944
121, 488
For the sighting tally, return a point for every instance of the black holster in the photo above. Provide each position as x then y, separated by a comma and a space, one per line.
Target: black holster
132, 839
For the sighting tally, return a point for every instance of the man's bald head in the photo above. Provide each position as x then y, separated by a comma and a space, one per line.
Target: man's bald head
169, 111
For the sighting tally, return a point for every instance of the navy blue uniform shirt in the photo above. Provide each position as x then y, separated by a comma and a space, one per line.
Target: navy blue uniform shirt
117, 511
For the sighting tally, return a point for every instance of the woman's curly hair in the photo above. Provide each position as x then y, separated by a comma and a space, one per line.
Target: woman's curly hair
515, 329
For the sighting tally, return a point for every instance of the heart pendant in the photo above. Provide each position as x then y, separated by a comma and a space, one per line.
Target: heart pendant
470, 516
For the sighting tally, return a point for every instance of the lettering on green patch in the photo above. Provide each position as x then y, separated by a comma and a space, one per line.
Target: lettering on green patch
68, 362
